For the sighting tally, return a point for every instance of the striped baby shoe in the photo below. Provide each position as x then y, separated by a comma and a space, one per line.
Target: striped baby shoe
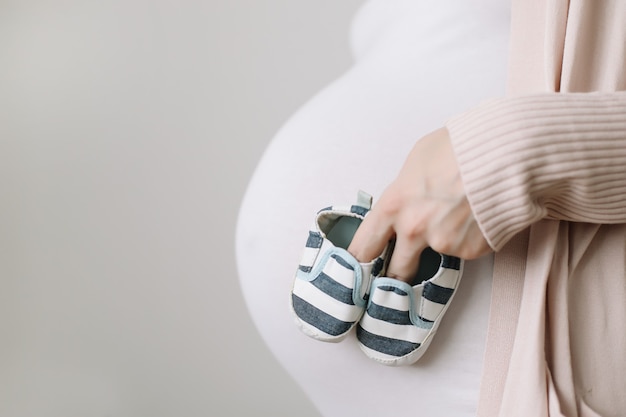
331, 287
401, 320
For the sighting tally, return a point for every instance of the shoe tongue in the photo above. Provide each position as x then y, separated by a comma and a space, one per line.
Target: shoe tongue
364, 200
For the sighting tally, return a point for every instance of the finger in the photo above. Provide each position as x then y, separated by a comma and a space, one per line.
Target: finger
371, 237
459, 236
405, 259
478, 245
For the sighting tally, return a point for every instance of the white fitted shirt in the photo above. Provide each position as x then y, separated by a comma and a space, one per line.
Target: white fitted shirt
417, 64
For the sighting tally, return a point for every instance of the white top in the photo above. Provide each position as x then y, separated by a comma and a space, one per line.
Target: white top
417, 64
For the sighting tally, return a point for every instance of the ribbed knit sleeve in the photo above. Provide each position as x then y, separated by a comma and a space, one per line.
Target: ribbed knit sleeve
559, 156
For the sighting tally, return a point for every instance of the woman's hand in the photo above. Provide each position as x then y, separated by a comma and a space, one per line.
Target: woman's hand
424, 206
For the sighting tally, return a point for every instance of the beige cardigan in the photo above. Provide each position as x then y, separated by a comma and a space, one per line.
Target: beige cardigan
545, 172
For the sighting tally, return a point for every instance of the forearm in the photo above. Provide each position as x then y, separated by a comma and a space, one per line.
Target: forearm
560, 156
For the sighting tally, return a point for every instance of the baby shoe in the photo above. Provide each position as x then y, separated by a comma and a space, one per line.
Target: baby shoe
331, 287
401, 320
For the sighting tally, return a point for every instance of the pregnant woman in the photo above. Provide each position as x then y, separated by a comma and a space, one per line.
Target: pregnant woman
534, 330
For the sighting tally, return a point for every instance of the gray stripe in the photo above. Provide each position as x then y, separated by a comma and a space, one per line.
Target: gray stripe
314, 240
319, 319
393, 347
333, 288
437, 294
451, 262
392, 288
425, 323
306, 269
342, 262
387, 314
378, 266
361, 211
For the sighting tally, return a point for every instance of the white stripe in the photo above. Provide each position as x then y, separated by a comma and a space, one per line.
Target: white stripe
366, 278
431, 311
367, 267
448, 278
407, 332
339, 273
343, 209
308, 256
390, 299
312, 255
326, 303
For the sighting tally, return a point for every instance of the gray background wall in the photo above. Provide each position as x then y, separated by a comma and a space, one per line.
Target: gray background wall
128, 132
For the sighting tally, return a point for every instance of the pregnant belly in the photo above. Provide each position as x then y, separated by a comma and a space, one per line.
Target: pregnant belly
414, 68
